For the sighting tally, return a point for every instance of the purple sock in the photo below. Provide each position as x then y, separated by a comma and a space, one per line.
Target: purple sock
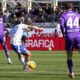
26, 63
6, 51
70, 65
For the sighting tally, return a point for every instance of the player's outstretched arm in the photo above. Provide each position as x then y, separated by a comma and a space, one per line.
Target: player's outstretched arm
35, 27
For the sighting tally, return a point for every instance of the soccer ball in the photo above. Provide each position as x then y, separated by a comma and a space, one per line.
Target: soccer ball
32, 64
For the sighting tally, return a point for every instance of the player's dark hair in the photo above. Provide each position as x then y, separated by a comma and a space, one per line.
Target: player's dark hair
68, 5
28, 21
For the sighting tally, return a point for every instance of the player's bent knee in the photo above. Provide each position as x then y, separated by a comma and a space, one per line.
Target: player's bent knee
28, 53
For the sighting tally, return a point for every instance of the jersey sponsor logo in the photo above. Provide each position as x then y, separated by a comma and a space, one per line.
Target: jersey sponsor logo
71, 30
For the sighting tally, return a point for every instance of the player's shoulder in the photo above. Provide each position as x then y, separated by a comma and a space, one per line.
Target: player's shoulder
62, 15
72, 13
22, 25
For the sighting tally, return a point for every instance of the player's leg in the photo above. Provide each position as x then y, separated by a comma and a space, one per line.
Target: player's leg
23, 51
6, 35
77, 45
70, 63
6, 50
27, 59
21, 58
69, 52
24, 58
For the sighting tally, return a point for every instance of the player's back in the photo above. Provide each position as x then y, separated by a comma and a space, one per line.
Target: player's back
71, 21
16, 33
1, 27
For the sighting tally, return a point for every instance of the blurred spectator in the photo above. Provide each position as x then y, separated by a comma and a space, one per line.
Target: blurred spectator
56, 33
6, 15
58, 11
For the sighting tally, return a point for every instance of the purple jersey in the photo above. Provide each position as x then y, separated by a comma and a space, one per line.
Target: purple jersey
1, 27
70, 22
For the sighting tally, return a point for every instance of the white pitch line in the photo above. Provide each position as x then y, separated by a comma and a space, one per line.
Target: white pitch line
34, 72
10, 66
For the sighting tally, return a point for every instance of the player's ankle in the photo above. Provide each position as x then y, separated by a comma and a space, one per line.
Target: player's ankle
71, 75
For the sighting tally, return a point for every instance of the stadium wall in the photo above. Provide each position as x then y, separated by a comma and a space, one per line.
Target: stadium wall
38, 43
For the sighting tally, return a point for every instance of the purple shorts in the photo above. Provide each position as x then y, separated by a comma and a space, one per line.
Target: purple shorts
2, 39
72, 40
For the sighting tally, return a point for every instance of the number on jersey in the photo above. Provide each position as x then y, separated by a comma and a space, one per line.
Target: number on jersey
72, 23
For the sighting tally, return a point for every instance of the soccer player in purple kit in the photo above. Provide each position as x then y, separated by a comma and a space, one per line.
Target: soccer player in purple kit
3, 40
69, 24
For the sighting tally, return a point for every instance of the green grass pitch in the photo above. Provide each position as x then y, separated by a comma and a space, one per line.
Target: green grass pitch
51, 65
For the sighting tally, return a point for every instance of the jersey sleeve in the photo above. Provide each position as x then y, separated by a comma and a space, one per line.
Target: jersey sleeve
25, 27
79, 20
62, 23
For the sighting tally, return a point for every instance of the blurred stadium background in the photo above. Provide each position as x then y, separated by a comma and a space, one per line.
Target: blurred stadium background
51, 65
43, 13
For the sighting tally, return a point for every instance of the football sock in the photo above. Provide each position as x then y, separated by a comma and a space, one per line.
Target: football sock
70, 65
22, 59
26, 63
7, 53
9, 61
